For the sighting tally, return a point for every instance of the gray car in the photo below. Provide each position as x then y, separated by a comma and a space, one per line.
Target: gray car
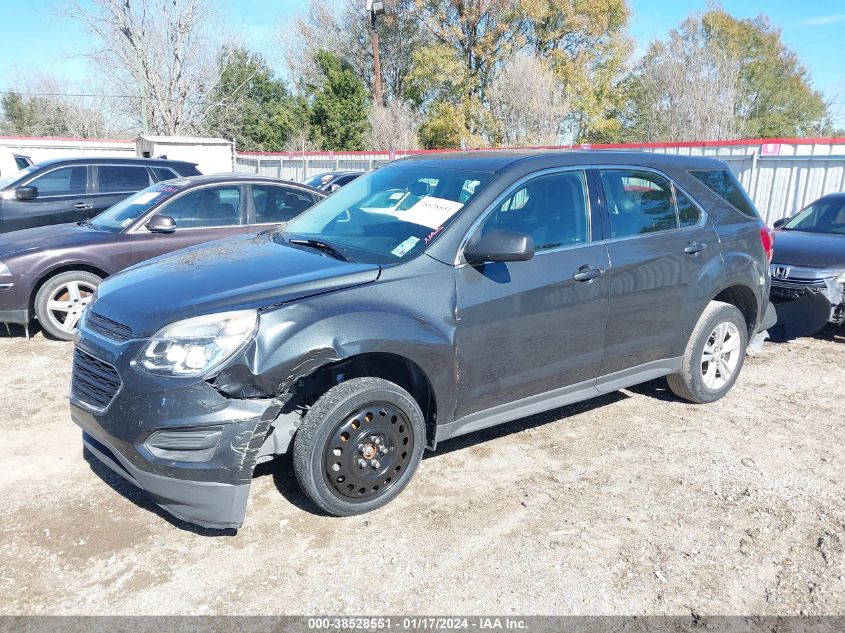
501, 284
51, 272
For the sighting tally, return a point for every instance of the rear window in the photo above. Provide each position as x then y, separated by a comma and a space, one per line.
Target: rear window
122, 178
724, 184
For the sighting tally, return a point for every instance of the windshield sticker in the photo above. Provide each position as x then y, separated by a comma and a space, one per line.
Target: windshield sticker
433, 234
147, 197
430, 211
405, 246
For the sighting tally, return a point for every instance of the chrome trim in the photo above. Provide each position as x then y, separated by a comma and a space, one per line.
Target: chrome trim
6, 286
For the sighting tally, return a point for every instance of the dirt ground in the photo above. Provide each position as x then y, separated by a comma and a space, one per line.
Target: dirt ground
634, 503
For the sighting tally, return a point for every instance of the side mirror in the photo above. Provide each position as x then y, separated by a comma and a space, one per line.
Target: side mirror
161, 224
500, 246
26, 193
780, 223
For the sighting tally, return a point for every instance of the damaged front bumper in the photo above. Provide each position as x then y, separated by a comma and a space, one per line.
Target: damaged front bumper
192, 448
810, 285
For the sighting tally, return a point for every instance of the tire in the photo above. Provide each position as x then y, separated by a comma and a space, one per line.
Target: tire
699, 380
358, 446
60, 301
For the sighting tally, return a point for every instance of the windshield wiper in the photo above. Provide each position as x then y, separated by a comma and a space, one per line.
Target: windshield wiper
322, 246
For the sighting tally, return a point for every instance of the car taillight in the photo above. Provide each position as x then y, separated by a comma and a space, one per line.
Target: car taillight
767, 238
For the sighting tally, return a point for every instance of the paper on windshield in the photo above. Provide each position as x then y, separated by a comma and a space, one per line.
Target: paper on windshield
430, 211
144, 198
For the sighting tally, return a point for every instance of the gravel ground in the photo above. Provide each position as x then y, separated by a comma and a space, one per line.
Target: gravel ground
633, 503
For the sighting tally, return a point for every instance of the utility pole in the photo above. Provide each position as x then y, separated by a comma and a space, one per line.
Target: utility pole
375, 8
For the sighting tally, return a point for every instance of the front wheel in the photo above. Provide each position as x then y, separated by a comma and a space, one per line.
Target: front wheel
61, 299
714, 355
359, 446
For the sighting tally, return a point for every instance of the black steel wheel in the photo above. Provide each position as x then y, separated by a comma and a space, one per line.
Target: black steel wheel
358, 446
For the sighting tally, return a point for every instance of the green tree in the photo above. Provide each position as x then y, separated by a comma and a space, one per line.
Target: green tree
251, 106
19, 114
339, 102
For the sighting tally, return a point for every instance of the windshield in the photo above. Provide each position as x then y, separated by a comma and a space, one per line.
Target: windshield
319, 180
392, 214
126, 211
824, 216
18, 175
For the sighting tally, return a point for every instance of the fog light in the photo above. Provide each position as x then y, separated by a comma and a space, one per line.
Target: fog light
185, 445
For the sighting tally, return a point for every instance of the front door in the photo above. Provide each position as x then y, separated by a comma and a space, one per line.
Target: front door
528, 328
201, 215
63, 196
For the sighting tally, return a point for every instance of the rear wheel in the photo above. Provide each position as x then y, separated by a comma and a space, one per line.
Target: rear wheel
61, 299
359, 446
714, 355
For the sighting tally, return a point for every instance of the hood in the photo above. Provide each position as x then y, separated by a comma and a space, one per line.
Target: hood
49, 237
809, 250
231, 274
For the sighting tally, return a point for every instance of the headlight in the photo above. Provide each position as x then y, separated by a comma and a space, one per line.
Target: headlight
198, 345
4, 270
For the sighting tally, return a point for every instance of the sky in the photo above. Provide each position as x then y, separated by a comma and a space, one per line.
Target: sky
33, 38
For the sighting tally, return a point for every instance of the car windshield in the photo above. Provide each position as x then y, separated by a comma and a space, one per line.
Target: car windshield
318, 181
126, 211
18, 175
390, 215
823, 216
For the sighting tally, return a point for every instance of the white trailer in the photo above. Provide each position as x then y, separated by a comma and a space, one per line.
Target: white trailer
212, 155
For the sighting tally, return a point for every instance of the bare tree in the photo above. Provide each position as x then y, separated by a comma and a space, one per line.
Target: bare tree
392, 127
161, 51
528, 102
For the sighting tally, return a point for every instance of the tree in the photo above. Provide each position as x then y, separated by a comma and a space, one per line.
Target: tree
528, 102
250, 105
392, 127
718, 77
445, 127
338, 104
160, 51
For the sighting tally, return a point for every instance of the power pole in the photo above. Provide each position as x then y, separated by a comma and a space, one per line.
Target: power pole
376, 8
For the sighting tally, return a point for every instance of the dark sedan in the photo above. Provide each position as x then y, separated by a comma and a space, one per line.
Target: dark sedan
51, 272
808, 267
331, 181
75, 189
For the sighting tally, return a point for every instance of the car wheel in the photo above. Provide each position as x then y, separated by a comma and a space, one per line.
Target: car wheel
60, 301
714, 355
359, 446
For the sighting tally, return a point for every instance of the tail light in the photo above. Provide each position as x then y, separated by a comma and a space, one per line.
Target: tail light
767, 239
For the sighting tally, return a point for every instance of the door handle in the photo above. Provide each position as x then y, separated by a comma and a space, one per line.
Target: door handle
587, 273
694, 247
83, 206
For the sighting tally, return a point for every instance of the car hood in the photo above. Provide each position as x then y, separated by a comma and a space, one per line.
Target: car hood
47, 237
809, 250
231, 274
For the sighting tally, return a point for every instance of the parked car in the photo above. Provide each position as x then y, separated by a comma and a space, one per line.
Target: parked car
808, 268
332, 180
520, 282
51, 272
23, 161
76, 189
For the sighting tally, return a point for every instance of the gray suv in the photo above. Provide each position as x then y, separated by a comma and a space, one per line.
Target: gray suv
495, 285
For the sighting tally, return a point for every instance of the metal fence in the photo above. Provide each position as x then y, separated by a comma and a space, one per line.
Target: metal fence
781, 176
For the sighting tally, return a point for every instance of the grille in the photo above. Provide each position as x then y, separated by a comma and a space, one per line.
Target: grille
808, 284
108, 328
94, 382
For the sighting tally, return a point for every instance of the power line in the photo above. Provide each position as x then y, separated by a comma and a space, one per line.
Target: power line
89, 95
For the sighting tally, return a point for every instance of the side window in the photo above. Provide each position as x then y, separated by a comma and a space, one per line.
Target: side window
688, 212
551, 209
724, 184
278, 204
212, 206
164, 173
122, 178
638, 202
65, 181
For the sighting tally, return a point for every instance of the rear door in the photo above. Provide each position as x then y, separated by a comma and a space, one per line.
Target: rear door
113, 183
63, 196
657, 249
271, 205
202, 214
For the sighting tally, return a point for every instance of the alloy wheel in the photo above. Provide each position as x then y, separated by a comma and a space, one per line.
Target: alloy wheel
65, 305
721, 355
